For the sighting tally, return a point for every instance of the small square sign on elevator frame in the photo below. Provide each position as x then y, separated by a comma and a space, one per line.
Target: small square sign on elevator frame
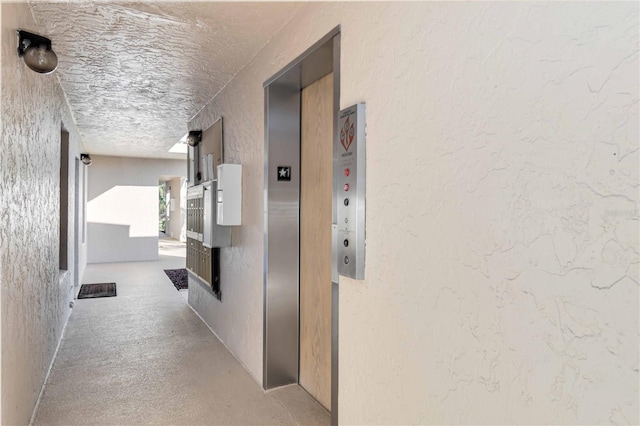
284, 173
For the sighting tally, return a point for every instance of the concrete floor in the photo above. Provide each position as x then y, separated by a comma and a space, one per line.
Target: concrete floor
144, 357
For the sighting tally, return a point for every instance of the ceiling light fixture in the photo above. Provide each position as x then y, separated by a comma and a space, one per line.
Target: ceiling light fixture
86, 159
194, 138
36, 52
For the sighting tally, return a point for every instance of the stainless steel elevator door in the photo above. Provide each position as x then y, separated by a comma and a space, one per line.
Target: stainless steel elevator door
316, 195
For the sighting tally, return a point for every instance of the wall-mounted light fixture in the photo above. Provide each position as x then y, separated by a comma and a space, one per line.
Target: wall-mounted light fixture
86, 159
36, 52
194, 138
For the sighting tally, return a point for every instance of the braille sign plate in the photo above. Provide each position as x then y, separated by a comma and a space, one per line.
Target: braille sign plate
284, 173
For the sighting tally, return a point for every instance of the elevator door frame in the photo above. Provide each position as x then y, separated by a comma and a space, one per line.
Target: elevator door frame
281, 274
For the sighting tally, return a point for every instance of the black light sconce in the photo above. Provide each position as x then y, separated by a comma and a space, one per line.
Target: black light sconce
194, 138
86, 159
36, 52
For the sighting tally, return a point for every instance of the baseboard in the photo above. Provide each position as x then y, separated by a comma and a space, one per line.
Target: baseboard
46, 377
227, 347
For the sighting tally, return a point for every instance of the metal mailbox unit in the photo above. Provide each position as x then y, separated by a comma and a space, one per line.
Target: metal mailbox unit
204, 236
214, 203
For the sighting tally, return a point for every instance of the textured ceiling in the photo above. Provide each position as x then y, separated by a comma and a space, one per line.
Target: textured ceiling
135, 73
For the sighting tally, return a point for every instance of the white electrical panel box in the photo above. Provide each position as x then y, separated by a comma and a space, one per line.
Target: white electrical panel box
213, 235
229, 195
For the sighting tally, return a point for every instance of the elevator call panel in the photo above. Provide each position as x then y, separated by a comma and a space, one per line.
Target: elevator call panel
350, 178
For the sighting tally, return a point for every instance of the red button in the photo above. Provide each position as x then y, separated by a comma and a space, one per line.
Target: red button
346, 172
346, 186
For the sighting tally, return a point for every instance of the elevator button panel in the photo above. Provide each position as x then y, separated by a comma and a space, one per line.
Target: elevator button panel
350, 175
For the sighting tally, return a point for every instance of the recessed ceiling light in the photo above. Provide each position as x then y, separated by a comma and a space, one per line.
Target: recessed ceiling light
181, 146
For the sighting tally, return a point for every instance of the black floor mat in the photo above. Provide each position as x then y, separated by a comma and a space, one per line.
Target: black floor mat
91, 291
178, 277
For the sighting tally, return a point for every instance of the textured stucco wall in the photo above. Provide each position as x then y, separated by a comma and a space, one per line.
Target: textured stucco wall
502, 211
34, 296
2, 38
122, 207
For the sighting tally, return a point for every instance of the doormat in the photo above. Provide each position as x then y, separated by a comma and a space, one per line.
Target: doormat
178, 277
91, 291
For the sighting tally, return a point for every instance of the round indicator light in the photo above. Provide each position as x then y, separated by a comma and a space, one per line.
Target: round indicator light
347, 172
346, 186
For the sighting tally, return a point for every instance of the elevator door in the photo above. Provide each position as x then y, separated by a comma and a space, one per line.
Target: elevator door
316, 192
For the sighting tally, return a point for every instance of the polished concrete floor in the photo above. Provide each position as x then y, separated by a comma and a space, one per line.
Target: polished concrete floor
144, 357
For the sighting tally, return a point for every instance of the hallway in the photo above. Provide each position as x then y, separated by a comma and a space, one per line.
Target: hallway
484, 212
144, 357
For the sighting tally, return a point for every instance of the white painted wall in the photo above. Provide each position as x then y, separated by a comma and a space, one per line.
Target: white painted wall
82, 218
502, 211
34, 295
122, 207
178, 211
